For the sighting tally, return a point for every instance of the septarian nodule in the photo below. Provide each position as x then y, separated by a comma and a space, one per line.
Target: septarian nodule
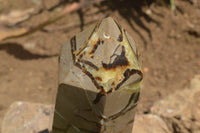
99, 81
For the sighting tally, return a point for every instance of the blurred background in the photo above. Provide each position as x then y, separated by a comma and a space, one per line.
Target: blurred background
167, 34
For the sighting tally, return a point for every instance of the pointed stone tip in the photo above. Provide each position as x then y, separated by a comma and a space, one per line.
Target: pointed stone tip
110, 27
109, 19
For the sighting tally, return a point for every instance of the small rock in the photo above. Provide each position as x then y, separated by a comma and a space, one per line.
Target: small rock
149, 124
146, 69
25, 117
30, 45
148, 12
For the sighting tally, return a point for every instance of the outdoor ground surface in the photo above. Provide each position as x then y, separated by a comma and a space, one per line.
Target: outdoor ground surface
169, 44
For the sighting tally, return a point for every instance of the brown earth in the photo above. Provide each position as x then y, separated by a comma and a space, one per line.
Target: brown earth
169, 44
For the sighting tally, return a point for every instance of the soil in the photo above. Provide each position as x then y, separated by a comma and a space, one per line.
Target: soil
168, 41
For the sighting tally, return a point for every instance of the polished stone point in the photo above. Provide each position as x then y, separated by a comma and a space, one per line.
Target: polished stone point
99, 81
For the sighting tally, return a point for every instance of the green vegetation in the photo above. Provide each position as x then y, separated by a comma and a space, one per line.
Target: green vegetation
173, 7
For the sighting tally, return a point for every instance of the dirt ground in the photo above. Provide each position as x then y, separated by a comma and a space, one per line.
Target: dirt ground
169, 44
